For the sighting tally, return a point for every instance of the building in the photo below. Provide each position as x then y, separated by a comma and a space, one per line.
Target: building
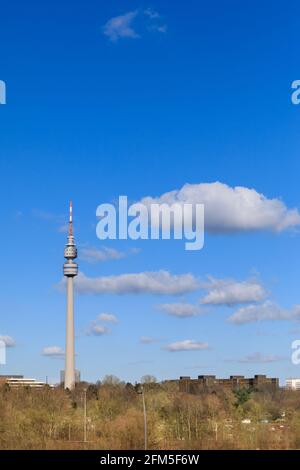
17, 381
235, 382
5, 378
292, 384
77, 376
70, 271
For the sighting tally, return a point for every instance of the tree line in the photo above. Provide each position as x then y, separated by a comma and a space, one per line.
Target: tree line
52, 418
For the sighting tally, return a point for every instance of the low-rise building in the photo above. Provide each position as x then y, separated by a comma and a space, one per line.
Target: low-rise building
15, 381
292, 384
234, 382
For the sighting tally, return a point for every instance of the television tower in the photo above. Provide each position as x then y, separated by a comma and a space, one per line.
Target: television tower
70, 271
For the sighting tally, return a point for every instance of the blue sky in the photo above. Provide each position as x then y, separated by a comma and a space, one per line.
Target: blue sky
163, 96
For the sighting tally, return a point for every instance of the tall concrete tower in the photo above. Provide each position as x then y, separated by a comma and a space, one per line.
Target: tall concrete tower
70, 271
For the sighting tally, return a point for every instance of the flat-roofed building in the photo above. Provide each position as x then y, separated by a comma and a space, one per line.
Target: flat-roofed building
4, 378
234, 382
15, 381
292, 384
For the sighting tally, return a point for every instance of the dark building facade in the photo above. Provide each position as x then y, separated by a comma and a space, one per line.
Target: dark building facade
235, 382
5, 378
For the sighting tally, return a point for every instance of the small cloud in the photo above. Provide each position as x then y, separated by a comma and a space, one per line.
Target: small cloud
97, 330
151, 13
186, 345
148, 340
124, 26
155, 23
180, 309
231, 292
121, 27
108, 317
53, 351
259, 358
135, 251
267, 311
8, 341
94, 255
160, 29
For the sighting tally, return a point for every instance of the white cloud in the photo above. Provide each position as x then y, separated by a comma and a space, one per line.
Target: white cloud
155, 21
121, 27
97, 330
265, 311
233, 209
94, 255
160, 282
231, 292
108, 317
259, 358
180, 309
8, 341
53, 351
151, 13
186, 345
220, 291
160, 28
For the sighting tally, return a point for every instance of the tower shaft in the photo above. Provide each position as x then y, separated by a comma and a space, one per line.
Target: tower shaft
70, 349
